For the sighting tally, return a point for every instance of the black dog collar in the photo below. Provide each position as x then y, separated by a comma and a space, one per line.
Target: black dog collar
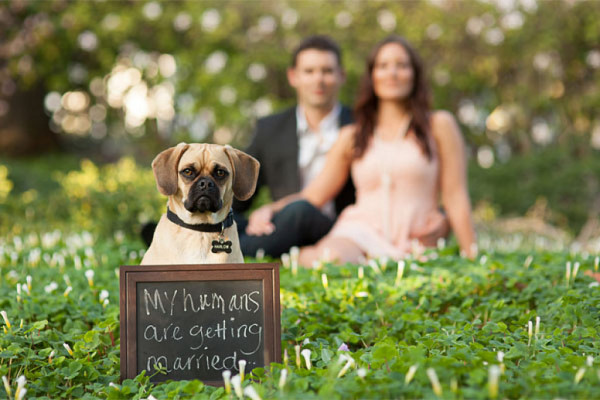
219, 227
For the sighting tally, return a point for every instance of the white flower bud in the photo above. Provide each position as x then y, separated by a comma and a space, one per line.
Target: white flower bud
500, 356
68, 348
298, 362
374, 266
324, 281
411, 373
6, 386
400, 273
227, 381
493, 378
89, 274
282, 378
435, 383
349, 363
285, 260
5, 318
306, 355
251, 392
242, 366
103, 295
236, 382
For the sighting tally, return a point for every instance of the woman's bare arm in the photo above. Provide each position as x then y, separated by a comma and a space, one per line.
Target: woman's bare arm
321, 190
453, 179
335, 172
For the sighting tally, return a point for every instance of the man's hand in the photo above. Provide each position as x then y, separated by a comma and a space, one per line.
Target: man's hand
259, 223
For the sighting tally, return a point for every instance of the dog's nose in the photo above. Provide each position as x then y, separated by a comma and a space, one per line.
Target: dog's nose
205, 183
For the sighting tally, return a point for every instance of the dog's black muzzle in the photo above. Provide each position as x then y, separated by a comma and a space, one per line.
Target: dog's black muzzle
204, 195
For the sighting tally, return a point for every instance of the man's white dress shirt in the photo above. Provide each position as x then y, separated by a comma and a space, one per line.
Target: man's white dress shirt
313, 147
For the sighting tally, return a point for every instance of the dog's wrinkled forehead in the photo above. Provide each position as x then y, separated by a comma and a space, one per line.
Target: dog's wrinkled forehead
204, 157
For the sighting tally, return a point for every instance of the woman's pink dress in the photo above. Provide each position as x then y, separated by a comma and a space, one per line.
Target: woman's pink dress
397, 191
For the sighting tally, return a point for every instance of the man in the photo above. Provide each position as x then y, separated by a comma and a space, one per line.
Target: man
291, 147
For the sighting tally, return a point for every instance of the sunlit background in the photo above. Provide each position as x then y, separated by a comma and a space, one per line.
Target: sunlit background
107, 79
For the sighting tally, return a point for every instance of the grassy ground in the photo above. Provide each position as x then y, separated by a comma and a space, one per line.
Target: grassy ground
513, 323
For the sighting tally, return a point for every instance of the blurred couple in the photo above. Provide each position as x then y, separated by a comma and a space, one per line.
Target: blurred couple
368, 182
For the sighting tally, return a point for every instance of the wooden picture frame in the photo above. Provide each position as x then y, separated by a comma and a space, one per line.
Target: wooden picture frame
172, 298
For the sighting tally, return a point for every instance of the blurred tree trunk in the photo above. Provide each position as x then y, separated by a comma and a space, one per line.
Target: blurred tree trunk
24, 129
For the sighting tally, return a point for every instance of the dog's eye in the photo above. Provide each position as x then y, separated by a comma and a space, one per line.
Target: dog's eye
221, 173
187, 172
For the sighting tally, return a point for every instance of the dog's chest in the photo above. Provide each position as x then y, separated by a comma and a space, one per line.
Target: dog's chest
197, 249
176, 245
202, 254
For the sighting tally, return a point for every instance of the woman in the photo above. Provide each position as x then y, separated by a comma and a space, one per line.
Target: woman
403, 159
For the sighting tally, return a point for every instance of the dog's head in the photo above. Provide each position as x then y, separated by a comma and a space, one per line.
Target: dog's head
205, 177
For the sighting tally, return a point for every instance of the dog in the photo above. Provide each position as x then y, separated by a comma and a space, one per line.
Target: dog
200, 181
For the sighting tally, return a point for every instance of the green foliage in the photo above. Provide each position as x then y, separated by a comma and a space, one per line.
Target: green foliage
521, 77
447, 313
109, 199
566, 179
534, 63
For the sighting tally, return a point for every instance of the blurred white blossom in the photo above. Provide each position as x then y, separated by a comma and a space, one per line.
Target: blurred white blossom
256, 72
494, 36
289, 18
512, 20
215, 62
152, 10
343, 19
167, 65
262, 107
434, 31
467, 113
386, 20
505, 6
111, 22
267, 24
51, 287
182, 21
542, 61
210, 20
541, 132
595, 137
52, 101
485, 156
529, 5
474, 26
593, 59
87, 40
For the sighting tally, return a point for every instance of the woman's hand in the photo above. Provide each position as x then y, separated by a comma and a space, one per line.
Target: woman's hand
259, 222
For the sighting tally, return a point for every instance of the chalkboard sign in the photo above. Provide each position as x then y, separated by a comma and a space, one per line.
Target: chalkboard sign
198, 320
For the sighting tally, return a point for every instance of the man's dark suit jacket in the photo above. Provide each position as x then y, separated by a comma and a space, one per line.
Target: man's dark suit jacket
275, 146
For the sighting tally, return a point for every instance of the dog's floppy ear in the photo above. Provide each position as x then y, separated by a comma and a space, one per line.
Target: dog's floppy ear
245, 173
164, 167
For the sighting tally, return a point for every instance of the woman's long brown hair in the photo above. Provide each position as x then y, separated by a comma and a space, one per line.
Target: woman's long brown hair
418, 101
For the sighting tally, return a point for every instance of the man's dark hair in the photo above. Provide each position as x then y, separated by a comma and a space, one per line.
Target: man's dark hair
318, 42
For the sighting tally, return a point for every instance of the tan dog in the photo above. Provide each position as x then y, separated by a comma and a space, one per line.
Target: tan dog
200, 181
